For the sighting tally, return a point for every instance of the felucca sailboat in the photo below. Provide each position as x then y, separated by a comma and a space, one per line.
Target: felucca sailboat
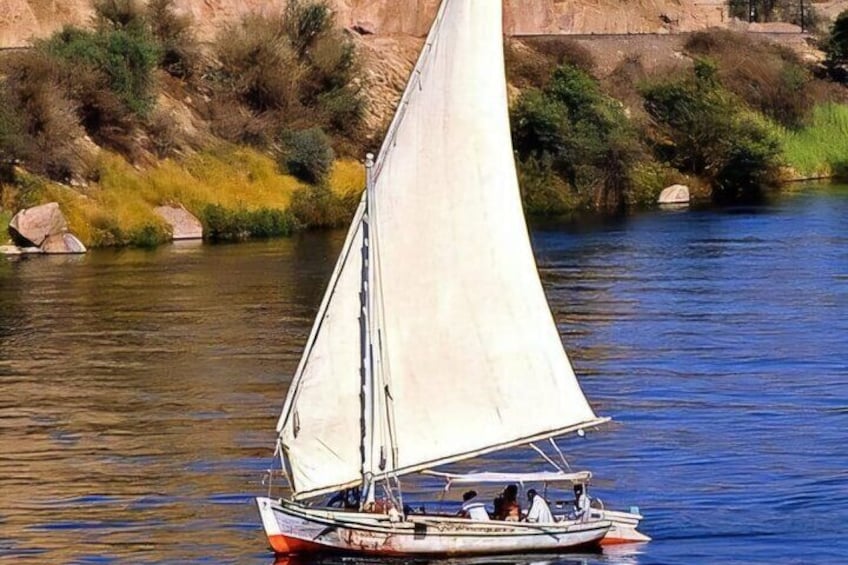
434, 330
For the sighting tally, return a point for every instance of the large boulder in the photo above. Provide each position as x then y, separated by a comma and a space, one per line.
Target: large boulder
30, 227
183, 224
62, 243
675, 194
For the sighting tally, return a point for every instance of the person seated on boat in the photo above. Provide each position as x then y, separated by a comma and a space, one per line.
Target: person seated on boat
473, 508
539, 511
347, 499
498, 505
582, 503
510, 510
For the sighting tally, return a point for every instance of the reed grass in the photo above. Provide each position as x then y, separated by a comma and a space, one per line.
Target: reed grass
5, 218
820, 148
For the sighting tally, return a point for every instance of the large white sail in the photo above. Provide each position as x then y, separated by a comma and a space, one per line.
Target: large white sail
470, 357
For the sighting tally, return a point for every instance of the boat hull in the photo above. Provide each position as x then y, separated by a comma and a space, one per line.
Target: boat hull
623, 529
295, 529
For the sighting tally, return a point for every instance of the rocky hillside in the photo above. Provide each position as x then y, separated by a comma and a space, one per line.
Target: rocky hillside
21, 20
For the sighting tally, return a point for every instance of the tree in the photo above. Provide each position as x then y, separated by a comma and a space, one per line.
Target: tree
836, 48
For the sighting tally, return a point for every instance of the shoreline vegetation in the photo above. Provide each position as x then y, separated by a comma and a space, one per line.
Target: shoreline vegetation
261, 132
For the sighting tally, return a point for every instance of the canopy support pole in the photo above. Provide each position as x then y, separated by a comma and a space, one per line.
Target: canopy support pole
545, 457
561, 455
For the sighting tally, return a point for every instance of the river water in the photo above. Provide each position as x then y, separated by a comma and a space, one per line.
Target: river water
139, 389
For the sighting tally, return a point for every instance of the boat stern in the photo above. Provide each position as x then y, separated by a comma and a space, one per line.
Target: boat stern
623, 529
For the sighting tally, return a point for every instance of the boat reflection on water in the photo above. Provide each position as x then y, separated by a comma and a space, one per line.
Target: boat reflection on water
626, 554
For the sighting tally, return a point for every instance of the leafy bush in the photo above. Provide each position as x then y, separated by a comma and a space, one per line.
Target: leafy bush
703, 129
836, 48
543, 192
539, 125
573, 129
125, 58
308, 155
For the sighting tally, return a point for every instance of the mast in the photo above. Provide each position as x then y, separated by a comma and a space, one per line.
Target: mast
366, 304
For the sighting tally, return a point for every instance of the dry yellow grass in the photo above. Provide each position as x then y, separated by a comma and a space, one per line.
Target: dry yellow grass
347, 176
236, 178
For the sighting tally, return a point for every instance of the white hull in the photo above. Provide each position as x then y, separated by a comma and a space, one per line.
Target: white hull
293, 529
623, 529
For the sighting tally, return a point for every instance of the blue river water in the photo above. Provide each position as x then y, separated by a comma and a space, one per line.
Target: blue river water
139, 389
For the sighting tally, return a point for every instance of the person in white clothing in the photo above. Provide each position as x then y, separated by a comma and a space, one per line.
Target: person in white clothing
539, 511
582, 504
472, 508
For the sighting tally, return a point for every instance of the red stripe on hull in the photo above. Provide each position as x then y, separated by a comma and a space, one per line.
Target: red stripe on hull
284, 545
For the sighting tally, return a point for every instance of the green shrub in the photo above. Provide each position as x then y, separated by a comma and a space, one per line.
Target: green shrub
543, 192
126, 59
222, 224
647, 181
573, 129
147, 236
703, 129
538, 125
836, 48
308, 155
318, 206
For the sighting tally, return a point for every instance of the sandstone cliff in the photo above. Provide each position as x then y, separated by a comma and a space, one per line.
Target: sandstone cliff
22, 20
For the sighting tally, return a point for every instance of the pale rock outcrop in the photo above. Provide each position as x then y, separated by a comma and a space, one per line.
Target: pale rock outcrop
183, 224
30, 227
41, 229
674, 194
63, 244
